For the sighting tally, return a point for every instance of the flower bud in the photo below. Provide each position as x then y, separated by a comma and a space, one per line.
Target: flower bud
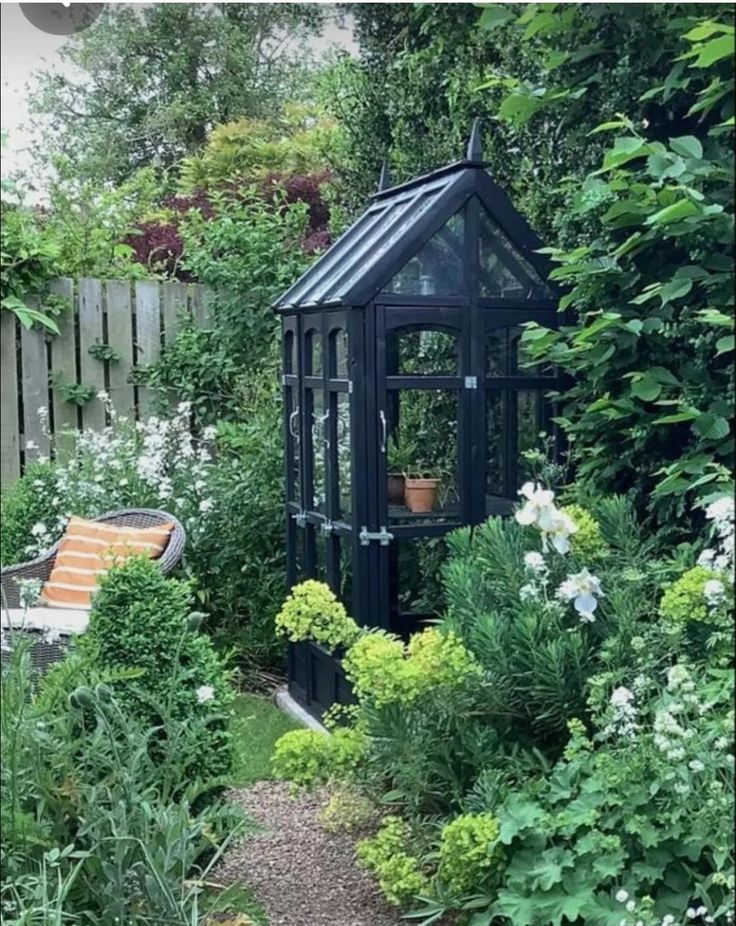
82, 697
103, 692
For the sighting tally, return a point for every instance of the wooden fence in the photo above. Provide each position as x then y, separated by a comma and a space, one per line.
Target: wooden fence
134, 319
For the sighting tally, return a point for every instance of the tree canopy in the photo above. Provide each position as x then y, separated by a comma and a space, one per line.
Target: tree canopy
144, 85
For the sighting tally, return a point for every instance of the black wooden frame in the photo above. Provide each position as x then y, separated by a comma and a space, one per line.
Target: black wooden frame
368, 315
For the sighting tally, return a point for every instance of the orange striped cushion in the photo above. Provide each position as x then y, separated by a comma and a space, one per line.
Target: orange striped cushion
88, 549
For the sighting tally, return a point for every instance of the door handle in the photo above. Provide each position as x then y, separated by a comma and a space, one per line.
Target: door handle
384, 430
292, 419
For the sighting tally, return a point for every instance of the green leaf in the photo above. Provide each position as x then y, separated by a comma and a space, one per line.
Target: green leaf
609, 126
725, 345
681, 209
609, 864
623, 151
711, 427
688, 146
712, 51
646, 388
517, 815
675, 289
670, 485
518, 108
705, 30
715, 317
662, 375
494, 15
520, 910
677, 417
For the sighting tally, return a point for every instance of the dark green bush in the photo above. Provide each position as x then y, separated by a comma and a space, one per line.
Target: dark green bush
142, 620
96, 827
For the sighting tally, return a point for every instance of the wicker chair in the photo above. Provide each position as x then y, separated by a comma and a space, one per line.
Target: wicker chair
40, 568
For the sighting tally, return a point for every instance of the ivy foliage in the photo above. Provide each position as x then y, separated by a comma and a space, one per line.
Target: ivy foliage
650, 342
29, 258
425, 71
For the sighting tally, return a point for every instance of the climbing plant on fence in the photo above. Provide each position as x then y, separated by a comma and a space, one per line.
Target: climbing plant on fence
107, 330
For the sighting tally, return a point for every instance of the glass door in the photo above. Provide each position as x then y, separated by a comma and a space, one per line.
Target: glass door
322, 429
422, 466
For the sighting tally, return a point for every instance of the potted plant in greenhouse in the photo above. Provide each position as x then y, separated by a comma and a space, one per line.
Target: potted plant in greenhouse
401, 452
421, 488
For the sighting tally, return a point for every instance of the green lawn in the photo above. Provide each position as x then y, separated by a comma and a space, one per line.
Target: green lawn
257, 724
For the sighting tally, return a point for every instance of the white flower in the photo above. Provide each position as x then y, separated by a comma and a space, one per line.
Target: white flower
706, 558
123, 482
29, 591
714, 593
631, 906
42, 412
205, 693
537, 501
31, 445
623, 722
103, 396
721, 510
39, 529
528, 592
535, 562
622, 697
677, 677
668, 919
209, 433
206, 505
51, 635
539, 510
622, 896
696, 766
583, 589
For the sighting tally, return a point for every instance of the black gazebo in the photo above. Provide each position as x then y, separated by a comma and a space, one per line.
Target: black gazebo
400, 354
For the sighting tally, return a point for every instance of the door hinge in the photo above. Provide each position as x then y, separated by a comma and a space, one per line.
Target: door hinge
326, 528
350, 387
300, 518
383, 536
471, 382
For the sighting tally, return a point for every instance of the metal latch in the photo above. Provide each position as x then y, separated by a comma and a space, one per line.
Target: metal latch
471, 382
326, 528
300, 518
383, 536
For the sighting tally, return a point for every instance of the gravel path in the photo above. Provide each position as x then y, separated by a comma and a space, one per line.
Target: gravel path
302, 875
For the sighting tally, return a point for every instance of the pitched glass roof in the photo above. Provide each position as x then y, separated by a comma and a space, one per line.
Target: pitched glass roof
390, 233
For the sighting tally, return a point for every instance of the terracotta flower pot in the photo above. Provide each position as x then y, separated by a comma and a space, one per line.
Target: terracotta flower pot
396, 488
421, 494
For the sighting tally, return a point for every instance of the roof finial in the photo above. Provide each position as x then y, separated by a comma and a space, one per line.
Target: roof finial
384, 182
475, 148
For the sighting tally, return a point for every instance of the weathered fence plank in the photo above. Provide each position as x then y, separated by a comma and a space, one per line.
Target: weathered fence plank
148, 333
91, 369
174, 303
202, 306
63, 363
103, 313
9, 423
35, 390
120, 338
